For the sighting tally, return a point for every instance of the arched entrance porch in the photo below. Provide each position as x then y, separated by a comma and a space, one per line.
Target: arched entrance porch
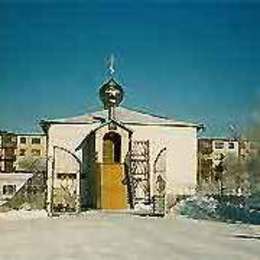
113, 191
104, 162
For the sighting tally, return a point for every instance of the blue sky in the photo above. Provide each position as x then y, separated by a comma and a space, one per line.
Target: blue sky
190, 61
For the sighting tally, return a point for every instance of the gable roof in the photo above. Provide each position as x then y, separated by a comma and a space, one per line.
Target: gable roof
113, 122
125, 116
103, 125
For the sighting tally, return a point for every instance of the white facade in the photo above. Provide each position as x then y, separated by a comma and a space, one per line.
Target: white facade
181, 154
179, 139
222, 148
225, 146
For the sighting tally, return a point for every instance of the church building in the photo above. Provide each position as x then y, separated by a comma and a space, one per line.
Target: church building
118, 158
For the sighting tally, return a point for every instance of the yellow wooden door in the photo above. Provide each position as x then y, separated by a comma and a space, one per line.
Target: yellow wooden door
108, 151
113, 191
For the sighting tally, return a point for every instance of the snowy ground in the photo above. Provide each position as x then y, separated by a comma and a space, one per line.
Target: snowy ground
33, 236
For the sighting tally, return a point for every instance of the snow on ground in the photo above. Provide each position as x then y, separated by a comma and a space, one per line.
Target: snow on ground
22, 214
99, 235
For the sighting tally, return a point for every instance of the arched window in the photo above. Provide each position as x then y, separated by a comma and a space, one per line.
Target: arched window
111, 148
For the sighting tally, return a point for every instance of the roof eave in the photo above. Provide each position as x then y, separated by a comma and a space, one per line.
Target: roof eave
199, 126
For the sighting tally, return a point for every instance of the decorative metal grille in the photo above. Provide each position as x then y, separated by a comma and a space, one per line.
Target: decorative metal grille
159, 183
159, 177
140, 172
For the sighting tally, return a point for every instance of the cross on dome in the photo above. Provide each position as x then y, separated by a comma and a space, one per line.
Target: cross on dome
111, 65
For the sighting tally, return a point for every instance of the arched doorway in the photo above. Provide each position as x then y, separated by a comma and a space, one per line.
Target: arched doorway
111, 148
113, 191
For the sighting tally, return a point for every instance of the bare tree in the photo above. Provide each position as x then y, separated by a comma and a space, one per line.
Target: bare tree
253, 164
32, 164
235, 175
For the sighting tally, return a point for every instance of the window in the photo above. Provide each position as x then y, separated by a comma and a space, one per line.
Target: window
9, 166
23, 140
9, 139
36, 152
9, 189
9, 152
63, 176
231, 145
219, 145
36, 140
22, 152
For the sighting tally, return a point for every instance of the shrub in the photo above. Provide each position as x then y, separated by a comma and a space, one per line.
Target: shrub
199, 207
230, 209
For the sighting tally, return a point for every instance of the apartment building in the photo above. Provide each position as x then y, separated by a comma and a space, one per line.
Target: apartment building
30, 145
211, 152
8, 146
13, 148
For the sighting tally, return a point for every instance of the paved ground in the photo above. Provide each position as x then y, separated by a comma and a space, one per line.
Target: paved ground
118, 236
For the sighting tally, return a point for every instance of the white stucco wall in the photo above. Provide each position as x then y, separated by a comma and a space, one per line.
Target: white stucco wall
181, 154
180, 142
69, 137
